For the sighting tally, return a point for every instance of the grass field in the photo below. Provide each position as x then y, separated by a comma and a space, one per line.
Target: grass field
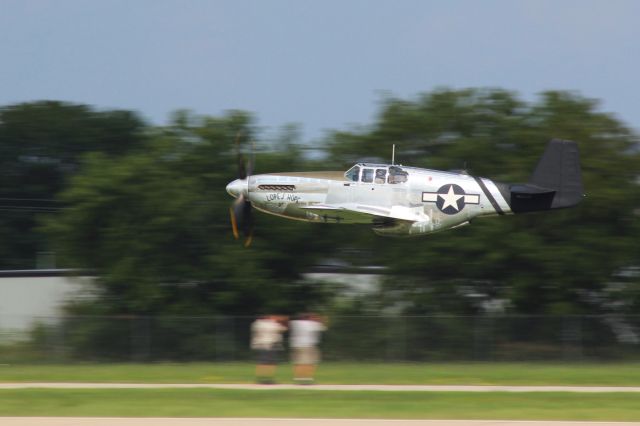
338, 404
624, 374
304, 403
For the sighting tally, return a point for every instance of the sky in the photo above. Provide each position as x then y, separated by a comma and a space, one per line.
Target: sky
324, 65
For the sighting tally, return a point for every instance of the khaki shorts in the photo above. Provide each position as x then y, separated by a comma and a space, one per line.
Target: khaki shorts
306, 356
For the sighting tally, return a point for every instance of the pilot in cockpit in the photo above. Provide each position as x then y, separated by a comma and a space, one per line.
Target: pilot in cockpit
397, 175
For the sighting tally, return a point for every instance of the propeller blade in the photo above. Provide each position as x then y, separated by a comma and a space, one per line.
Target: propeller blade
252, 159
247, 242
247, 219
241, 214
242, 171
234, 223
241, 211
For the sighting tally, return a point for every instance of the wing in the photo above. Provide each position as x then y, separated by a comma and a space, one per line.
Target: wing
363, 213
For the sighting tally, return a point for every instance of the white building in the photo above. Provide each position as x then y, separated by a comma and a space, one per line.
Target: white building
30, 296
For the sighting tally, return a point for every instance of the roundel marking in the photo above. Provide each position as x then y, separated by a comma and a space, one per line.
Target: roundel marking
450, 198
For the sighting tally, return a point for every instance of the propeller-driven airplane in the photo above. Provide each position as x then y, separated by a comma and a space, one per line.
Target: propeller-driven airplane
404, 201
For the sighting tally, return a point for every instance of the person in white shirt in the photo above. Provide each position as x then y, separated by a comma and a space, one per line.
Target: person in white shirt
305, 333
266, 340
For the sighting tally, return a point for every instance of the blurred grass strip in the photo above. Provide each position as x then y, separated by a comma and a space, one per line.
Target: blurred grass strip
615, 374
325, 404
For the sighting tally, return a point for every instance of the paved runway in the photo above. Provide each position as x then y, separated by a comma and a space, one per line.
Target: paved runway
120, 421
397, 388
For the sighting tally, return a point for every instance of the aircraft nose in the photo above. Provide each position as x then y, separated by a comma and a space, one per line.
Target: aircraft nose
237, 187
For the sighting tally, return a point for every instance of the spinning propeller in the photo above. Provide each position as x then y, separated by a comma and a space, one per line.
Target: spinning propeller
241, 211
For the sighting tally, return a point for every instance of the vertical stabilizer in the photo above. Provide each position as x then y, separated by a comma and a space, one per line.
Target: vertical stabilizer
559, 169
555, 183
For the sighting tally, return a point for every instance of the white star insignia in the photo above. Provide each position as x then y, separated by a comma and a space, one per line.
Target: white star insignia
450, 199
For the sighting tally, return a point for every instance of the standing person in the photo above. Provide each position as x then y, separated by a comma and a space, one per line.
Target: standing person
303, 339
266, 341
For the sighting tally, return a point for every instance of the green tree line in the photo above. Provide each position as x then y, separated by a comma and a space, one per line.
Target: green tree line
145, 208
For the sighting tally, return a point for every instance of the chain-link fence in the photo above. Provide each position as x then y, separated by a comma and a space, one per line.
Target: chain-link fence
374, 338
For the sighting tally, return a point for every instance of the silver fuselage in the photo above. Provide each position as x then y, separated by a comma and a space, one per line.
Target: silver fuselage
426, 201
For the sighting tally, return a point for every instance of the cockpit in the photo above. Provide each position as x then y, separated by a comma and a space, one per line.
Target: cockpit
379, 174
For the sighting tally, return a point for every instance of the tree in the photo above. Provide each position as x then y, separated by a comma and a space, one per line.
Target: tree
556, 262
154, 225
41, 145
153, 222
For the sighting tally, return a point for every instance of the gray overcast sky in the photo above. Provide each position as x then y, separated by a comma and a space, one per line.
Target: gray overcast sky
322, 64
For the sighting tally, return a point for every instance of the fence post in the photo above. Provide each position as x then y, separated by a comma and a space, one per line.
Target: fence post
225, 344
483, 337
477, 336
396, 337
60, 347
140, 339
572, 337
405, 334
